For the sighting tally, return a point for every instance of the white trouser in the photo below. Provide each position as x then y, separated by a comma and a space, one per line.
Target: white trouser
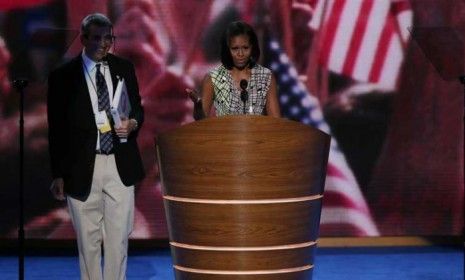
107, 215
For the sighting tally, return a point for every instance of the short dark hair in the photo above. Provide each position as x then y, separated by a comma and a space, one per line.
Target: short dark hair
97, 19
237, 28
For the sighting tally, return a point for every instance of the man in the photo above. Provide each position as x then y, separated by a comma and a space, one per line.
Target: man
91, 168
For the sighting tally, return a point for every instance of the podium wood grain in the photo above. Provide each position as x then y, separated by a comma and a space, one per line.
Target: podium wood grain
242, 196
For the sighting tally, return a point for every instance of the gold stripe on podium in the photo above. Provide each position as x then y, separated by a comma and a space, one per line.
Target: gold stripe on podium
259, 248
243, 272
242, 201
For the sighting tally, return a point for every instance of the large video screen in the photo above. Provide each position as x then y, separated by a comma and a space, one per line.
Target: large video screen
359, 70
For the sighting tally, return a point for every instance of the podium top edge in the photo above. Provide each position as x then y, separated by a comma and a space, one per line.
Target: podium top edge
242, 120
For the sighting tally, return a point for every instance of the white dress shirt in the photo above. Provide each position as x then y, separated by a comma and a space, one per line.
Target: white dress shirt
89, 68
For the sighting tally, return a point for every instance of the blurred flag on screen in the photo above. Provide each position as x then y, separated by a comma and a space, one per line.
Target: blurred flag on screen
363, 39
20, 4
345, 211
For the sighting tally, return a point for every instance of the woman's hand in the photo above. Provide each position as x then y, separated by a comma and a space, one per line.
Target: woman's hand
193, 95
198, 113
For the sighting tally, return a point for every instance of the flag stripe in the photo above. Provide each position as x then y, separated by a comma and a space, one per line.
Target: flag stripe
393, 64
330, 31
338, 199
347, 187
370, 43
341, 216
381, 53
344, 35
333, 171
356, 40
317, 16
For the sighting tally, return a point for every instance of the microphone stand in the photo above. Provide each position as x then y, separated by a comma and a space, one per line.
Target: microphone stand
244, 98
20, 84
244, 94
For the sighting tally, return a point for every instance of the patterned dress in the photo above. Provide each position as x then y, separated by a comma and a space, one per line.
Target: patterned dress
227, 97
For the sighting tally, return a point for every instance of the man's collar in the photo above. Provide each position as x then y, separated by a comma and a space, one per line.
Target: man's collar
89, 63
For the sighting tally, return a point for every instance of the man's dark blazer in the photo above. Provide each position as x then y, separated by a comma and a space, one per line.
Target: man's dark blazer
73, 132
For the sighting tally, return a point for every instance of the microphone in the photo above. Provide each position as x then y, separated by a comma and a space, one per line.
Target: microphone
243, 84
21, 83
244, 93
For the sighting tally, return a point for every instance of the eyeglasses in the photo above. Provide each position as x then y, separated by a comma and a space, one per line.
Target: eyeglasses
108, 39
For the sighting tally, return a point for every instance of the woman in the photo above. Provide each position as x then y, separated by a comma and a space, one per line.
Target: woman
239, 85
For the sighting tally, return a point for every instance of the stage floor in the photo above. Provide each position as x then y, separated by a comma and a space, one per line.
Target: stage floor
370, 263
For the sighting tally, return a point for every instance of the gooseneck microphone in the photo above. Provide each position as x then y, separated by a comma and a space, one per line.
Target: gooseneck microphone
244, 93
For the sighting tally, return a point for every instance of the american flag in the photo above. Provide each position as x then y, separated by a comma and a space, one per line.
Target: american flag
363, 39
345, 211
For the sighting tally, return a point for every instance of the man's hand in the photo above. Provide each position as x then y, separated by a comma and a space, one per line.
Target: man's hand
57, 189
127, 126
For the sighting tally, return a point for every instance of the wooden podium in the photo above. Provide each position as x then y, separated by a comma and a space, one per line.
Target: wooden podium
242, 196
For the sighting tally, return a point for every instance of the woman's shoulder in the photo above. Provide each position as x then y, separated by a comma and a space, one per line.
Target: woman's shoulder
218, 69
218, 73
261, 69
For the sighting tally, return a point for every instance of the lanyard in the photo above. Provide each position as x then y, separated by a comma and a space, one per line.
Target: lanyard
93, 93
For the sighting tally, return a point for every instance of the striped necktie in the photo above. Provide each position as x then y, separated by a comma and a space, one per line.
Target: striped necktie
106, 139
